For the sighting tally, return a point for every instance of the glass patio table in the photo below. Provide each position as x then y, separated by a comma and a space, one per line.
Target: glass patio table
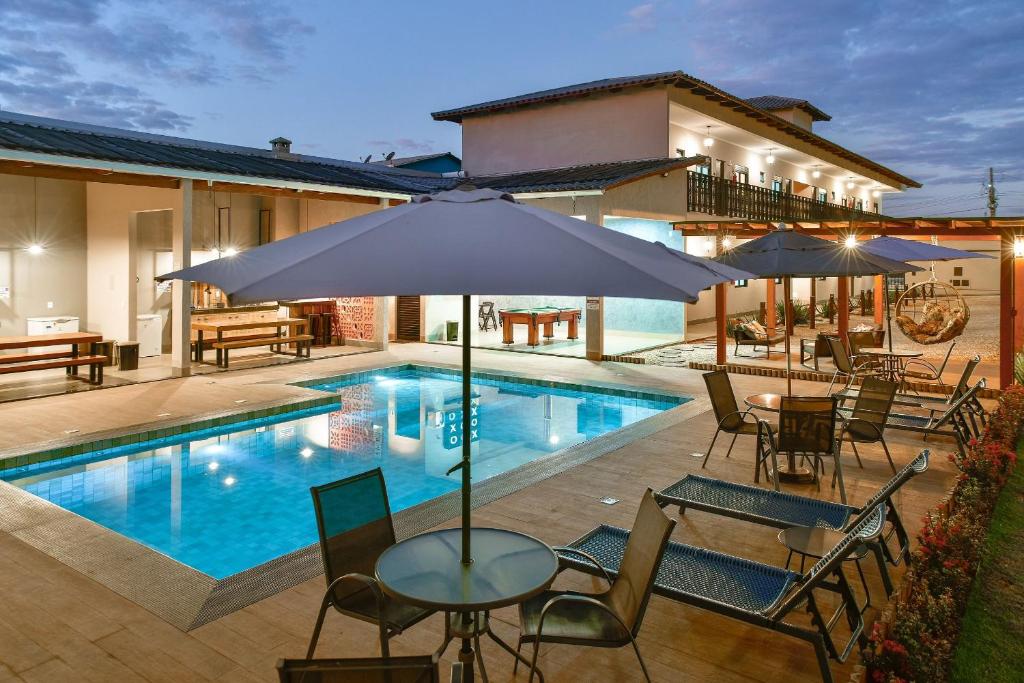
427, 571
894, 363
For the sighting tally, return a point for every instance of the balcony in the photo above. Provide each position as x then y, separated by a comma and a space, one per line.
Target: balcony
720, 197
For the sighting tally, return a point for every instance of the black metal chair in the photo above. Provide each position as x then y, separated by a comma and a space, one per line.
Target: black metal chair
612, 618
866, 424
353, 518
919, 368
849, 366
807, 427
731, 419
419, 669
485, 314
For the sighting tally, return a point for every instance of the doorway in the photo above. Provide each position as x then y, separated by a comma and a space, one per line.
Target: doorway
408, 318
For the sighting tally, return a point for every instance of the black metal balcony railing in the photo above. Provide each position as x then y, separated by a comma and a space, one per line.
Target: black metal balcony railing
720, 197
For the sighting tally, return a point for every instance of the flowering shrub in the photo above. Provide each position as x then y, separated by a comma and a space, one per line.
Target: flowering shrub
918, 640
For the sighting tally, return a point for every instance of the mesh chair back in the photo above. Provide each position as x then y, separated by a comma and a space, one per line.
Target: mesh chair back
839, 355
354, 521
945, 361
873, 405
965, 377
723, 400
860, 340
420, 669
631, 591
807, 424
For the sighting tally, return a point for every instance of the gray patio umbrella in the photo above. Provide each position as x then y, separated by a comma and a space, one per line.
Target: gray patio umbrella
787, 254
461, 242
911, 250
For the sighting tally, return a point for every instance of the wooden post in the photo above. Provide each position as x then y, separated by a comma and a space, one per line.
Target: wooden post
880, 295
843, 303
1006, 310
770, 316
812, 307
720, 293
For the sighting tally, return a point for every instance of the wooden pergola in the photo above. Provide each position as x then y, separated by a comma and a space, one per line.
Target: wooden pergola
1008, 230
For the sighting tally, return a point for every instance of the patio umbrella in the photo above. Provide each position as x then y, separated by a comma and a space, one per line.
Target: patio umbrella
787, 254
460, 242
911, 250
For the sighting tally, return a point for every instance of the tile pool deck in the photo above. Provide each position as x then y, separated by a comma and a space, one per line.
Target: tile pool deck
58, 623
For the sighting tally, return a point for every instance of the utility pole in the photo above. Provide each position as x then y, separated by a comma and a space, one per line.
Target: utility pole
993, 200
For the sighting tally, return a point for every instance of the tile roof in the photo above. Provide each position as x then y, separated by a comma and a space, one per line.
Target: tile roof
600, 176
682, 80
51, 136
71, 139
777, 102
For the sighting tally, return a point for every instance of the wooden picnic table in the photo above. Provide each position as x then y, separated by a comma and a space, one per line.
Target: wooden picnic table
220, 327
69, 359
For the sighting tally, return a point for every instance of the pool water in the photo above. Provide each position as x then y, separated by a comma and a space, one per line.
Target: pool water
225, 500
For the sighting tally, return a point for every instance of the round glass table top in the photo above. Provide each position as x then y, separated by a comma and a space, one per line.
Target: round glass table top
426, 570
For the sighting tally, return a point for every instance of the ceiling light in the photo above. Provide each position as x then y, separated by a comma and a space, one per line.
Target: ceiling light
849, 184
851, 242
771, 157
709, 141
230, 251
815, 173
876, 193
35, 249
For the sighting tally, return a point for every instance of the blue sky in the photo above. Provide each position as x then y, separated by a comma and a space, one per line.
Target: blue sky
933, 89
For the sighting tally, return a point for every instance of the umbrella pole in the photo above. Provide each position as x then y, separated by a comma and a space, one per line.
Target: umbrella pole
888, 311
467, 432
788, 294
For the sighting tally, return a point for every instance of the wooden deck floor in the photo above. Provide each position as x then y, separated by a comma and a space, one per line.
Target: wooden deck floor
58, 624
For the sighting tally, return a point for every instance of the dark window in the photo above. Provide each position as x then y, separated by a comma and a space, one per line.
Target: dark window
876, 207
965, 283
762, 177
740, 283
958, 270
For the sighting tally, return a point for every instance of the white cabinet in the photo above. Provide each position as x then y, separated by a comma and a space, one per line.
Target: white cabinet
51, 324
150, 335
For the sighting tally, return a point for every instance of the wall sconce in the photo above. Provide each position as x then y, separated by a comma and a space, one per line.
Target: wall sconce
1018, 246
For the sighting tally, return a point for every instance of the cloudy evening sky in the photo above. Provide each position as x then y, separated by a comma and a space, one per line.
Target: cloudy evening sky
932, 89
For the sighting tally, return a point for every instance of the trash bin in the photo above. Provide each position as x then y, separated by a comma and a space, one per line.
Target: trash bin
129, 355
452, 330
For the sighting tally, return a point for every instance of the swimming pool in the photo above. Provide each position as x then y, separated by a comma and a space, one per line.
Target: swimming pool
227, 499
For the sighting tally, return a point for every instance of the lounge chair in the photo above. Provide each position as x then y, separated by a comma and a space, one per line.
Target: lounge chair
933, 404
956, 422
752, 592
731, 419
612, 618
784, 510
866, 424
354, 522
849, 366
807, 427
419, 669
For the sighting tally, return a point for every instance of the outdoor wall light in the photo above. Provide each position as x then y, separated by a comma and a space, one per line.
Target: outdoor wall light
708, 140
850, 242
1018, 246
229, 252
726, 242
35, 249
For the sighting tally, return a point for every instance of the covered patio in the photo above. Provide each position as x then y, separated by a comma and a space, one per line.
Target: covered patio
1005, 233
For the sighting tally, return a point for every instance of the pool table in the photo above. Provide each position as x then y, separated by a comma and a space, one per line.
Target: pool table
533, 318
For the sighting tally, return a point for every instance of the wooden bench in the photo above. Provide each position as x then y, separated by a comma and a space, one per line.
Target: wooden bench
50, 361
302, 342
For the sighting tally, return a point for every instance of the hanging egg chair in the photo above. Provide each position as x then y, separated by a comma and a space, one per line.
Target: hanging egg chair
932, 313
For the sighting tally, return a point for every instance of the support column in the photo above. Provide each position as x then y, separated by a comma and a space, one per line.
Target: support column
181, 304
880, 295
843, 306
720, 307
382, 320
770, 317
595, 304
1006, 310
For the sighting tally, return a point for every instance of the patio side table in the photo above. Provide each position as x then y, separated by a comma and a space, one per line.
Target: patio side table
508, 567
